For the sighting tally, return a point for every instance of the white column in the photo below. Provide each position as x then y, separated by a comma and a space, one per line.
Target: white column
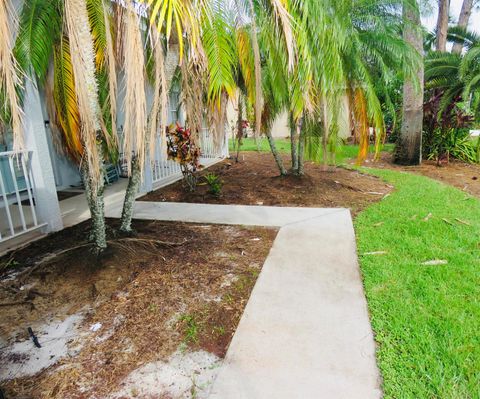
46, 201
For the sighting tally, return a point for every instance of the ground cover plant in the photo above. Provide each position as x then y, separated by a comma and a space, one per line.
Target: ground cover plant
419, 252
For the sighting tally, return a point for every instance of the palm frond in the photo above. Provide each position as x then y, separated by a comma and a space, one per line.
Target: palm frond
65, 99
40, 28
10, 74
82, 55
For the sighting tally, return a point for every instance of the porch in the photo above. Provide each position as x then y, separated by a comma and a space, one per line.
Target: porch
20, 219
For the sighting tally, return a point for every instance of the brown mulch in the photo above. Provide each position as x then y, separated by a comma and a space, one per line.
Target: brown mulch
464, 176
142, 293
255, 181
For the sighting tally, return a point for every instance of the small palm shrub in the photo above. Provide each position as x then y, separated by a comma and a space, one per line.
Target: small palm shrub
182, 148
215, 184
456, 143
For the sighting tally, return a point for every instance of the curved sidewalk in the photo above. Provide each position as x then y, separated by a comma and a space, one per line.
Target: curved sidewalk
305, 332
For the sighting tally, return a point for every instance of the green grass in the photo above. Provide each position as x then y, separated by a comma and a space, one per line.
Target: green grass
344, 152
426, 318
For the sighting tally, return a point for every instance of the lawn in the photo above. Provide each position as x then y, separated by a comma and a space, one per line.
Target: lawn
425, 317
344, 151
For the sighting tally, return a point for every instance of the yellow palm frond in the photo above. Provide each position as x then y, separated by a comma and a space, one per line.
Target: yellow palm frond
65, 99
361, 124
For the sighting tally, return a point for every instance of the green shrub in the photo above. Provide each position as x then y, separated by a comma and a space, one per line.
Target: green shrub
455, 143
215, 184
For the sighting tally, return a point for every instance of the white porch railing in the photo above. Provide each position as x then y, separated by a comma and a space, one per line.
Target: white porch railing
17, 206
164, 170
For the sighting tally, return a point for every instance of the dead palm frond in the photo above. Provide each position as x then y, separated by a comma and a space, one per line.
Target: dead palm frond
110, 63
158, 114
10, 75
135, 102
82, 55
193, 86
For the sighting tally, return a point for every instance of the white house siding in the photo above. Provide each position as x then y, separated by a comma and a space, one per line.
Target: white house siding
281, 128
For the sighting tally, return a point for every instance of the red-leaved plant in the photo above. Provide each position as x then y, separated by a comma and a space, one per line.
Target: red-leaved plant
182, 148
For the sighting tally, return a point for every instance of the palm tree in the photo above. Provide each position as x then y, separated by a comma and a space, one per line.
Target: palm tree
463, 19
442, 25
408, 150
452, 79
83, 84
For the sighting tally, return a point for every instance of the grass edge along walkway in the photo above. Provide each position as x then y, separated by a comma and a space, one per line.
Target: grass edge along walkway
426, 318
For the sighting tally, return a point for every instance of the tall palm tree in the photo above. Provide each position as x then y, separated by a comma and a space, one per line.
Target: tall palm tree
77, 35
408, 150
442, 25
463, 20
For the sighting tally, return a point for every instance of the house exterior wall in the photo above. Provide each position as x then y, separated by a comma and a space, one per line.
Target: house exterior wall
281, 128
36, 141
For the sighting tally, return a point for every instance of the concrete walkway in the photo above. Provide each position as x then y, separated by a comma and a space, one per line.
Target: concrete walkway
305, 332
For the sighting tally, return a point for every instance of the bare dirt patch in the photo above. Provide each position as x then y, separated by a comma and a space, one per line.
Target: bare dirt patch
255, 181
141, 310
459, 174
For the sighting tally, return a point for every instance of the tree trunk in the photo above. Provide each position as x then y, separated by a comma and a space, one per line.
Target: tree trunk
293, 144
276, 155
326, 133
96, 205
239, 127
408, 150
442, 25
463, 22
130, 194
301, 153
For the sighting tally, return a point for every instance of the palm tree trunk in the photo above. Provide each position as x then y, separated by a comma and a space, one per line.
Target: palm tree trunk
326, 132
301, 153
96, 204
130, 194
276, 155
463, 22
408, 150
442, 25
239, 127
293, 144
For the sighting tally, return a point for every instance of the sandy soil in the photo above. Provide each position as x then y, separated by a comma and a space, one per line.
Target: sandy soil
143, 312
255, 181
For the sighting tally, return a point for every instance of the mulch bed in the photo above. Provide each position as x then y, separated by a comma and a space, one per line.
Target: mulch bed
255, 181
459, 174
154, 290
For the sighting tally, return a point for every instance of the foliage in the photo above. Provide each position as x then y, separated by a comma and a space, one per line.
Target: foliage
190, 328
182, 148
343, 152
446, 143
215, 184
425, 318
452, 83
